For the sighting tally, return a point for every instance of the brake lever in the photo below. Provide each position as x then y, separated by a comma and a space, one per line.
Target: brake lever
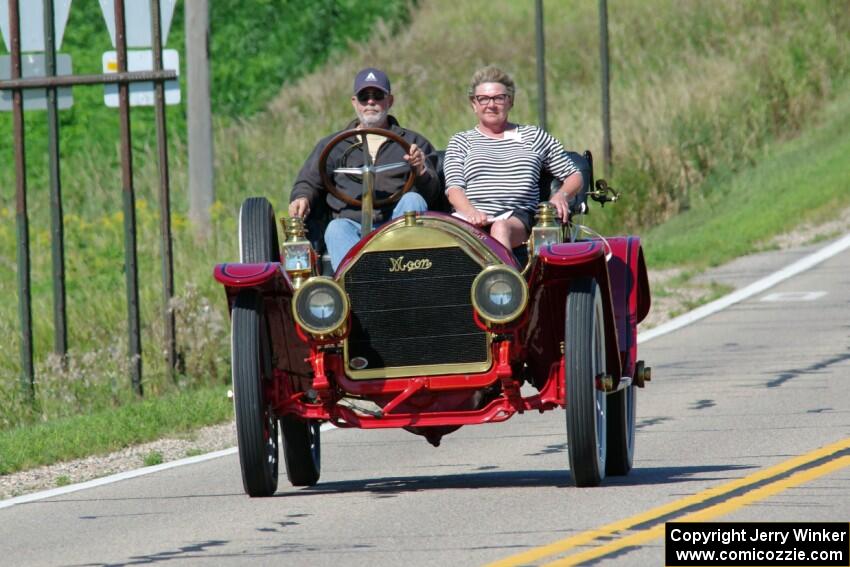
604, 193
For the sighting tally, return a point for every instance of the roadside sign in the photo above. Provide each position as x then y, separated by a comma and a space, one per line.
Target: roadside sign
32, 23
33, 65
142, 94
137, 18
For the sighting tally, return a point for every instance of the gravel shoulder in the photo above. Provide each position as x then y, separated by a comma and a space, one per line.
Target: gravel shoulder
673, 294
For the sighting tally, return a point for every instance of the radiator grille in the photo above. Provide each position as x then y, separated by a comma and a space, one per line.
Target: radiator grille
414, 317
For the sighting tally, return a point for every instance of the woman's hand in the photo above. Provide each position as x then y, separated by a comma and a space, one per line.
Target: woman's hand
457, 198
474, 216
561, 201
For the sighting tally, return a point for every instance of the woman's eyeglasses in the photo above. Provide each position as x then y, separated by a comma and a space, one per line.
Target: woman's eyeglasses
499, 99
365, 96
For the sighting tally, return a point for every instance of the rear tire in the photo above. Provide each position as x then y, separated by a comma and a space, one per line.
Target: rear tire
256, 424
302, 450
258, 240
584, 352
621, 431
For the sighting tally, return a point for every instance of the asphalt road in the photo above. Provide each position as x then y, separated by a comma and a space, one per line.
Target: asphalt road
728, 430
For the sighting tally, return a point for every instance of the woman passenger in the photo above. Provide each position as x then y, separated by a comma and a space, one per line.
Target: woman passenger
493, 170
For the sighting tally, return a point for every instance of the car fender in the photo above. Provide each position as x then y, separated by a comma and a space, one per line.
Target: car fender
549, 282
619, 267
275, 286
629, 293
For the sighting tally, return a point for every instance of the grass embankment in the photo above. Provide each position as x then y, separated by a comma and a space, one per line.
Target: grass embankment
112, 429
806, 179
700, 92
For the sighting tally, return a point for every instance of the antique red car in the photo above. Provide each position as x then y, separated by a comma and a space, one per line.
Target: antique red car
430, 324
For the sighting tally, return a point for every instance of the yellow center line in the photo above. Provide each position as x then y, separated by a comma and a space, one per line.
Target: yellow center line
720, 509
562, 546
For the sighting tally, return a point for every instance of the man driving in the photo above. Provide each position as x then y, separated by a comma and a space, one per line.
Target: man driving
372, 100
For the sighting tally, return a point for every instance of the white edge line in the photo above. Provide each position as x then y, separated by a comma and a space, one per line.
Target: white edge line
126, 475
113, 478
746, 292
672, 325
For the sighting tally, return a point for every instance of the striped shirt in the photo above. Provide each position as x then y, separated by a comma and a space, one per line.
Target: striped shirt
503, 174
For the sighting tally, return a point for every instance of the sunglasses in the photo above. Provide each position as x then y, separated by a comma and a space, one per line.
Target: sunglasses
365, 96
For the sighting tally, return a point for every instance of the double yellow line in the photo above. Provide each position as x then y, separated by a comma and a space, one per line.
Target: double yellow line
663, 513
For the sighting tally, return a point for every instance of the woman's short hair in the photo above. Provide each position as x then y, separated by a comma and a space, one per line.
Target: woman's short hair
491, 74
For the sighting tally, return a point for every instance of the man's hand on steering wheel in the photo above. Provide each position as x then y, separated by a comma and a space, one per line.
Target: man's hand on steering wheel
416, 158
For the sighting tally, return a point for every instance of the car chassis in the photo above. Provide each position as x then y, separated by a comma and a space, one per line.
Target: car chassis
430, 324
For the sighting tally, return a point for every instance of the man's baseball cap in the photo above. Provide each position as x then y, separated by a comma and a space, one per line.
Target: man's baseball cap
371, 77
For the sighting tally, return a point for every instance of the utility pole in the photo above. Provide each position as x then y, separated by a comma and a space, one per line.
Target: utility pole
541, 64
199, 116
606, 100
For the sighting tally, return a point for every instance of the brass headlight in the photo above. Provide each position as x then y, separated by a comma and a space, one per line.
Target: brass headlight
499, 294
320, 306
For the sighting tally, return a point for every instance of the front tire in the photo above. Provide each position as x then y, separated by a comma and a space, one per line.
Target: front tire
258, 240
584, 352
302, 450
256, 425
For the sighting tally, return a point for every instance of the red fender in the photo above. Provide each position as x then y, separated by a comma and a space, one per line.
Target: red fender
624, 285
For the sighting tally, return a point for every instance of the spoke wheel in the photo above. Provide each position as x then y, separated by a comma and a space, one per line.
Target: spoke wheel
584, 352
258, 240
256, 424
302, 450
621, 431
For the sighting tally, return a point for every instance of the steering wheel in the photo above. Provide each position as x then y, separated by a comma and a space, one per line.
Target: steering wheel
368, 170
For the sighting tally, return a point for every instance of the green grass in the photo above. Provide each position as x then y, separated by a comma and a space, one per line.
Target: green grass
153, 458
109, 430
802, 180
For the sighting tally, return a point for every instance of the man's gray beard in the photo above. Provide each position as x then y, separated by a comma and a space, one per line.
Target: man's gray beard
373, 120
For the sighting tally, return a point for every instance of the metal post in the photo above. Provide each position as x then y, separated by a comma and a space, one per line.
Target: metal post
131, 268
57, 240
164, 198
24, 292
199, 117
606, 107
541, 65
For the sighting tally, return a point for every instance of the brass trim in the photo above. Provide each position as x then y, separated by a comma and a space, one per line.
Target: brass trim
427, 233
346, 308
523, 285
421, 369
294, 229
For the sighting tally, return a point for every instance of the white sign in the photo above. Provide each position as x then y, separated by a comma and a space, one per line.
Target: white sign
142, 94
32, 23
137, 18
32, 65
